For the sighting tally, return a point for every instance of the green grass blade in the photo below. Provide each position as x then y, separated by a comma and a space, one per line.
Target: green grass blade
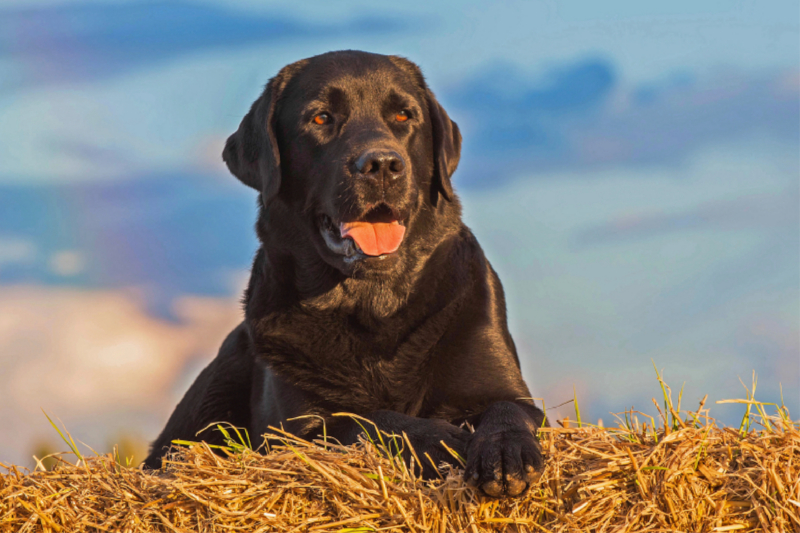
70, 442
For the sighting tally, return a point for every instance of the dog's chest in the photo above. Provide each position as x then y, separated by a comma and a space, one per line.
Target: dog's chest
353, 368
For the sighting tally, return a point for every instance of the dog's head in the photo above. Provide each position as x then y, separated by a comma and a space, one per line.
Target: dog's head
357, 151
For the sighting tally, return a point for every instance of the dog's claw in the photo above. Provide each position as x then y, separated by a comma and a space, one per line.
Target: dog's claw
515, 487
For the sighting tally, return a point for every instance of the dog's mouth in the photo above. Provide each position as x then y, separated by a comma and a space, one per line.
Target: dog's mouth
378, 233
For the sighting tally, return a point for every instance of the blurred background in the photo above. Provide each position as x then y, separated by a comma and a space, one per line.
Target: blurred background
630, 168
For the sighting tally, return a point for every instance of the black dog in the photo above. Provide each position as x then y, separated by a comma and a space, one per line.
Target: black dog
368, 295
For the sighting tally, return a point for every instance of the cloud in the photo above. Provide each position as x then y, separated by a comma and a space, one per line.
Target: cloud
576, 115
694, 266
583, 116
67, 263
80, 41
565, 90
767, 211
174, 234
16, 250
86, 356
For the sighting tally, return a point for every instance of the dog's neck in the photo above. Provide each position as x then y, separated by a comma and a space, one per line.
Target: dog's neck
288, 273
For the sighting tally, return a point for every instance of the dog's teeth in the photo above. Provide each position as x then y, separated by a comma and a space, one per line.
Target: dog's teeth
350, 250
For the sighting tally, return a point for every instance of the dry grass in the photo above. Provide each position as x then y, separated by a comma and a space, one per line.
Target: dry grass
687, 475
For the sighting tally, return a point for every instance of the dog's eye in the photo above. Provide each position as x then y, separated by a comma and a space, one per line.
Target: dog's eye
402, 116
322, 119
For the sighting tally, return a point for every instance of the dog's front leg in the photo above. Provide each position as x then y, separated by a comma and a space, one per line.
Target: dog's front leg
504, 453
430, 437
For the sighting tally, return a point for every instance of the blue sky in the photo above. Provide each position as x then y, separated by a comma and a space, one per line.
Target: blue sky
630, 168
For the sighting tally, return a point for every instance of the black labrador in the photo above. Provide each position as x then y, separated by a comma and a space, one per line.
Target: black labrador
368, 294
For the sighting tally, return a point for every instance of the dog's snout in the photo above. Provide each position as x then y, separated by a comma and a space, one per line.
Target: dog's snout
380, 164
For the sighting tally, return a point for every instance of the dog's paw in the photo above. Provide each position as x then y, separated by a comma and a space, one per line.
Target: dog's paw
503, 463
435, 442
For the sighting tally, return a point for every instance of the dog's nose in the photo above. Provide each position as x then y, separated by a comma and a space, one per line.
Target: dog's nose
379, 164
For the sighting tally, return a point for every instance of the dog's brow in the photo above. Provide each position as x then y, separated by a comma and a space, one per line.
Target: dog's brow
398, 98
402, 100
329, 98
336, 97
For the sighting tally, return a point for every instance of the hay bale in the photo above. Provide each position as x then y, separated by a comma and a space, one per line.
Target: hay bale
687, 475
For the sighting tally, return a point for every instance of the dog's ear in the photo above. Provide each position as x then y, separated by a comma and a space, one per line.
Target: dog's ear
446, 146
252, 153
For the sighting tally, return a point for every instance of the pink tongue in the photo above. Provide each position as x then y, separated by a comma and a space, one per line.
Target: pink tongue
374, 239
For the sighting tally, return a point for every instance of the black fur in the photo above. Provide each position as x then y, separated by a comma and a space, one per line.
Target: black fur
416, 340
